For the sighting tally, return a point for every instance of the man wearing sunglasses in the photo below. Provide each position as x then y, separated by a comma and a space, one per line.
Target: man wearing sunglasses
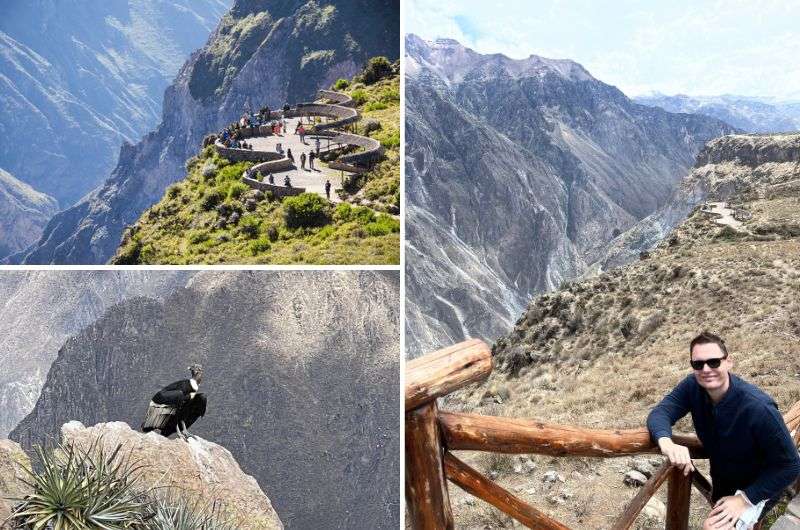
753, 458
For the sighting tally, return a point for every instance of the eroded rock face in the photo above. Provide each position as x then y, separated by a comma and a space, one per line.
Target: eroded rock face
301, 376
80, 78
263, 52
13, 462
518, 174
41, 309
200, 468
23, 214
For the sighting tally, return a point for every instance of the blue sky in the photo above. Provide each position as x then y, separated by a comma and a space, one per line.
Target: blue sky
749, 48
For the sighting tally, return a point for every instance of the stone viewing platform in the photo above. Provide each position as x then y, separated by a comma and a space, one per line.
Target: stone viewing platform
325, 126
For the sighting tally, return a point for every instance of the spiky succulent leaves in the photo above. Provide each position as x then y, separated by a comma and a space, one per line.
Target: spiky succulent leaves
175, 513
79, 489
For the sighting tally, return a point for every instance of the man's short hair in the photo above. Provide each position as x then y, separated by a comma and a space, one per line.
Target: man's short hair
707, 337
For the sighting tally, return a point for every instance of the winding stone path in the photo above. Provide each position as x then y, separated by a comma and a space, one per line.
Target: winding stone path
725, 214
332, 118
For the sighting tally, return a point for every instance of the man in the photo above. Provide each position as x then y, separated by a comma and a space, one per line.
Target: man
753, 458
328, 189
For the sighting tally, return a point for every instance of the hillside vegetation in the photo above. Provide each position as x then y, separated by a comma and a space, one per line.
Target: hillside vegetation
186, 226
602, 352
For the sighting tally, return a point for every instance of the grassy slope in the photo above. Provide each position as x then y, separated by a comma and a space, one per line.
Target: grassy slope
181, 227
380, 102
600, 353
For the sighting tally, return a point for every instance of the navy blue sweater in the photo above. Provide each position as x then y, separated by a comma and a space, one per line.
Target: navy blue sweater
744, 435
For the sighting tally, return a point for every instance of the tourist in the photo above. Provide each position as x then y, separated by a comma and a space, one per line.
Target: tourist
328, 189
316, 144
303, 161
287, 182
289, 155
302, 132
753, 458
271, 179
311, 157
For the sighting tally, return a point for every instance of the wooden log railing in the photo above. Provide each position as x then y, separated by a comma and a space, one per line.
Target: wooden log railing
431, 435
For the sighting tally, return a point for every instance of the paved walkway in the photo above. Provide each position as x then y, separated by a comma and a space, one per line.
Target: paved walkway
725, 214
311, 180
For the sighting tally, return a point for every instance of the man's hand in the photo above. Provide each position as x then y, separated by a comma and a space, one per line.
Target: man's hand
726, 512
678, 454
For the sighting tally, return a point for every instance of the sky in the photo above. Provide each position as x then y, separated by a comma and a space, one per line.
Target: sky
697, 47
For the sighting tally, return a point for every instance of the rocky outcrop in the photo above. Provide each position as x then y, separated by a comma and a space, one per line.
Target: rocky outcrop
745, 113
301, 375
13, 463
23, 214
262, 52
518, 174
201, 470
78, 79
41, 309
726, 166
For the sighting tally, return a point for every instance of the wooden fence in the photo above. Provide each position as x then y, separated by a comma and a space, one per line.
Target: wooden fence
431, 435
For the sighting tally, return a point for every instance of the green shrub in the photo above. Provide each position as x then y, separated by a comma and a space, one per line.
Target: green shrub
211, 199
173, 513
232, 172
359, 96
341, 84
173, 191
237, 189
249, 225
377, 68
259, 245
198, 236
384, 225
305, 210
375, 105
391, 140
191, 163
209, 170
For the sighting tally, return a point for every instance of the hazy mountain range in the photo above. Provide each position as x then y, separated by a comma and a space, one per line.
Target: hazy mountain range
518, 174
77, 79
745, 113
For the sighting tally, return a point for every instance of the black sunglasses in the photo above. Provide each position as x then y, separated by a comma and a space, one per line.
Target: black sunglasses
712, 363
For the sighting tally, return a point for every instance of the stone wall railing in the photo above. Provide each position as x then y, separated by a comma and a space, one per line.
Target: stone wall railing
278, 191
373, 150
249, 155
337, 97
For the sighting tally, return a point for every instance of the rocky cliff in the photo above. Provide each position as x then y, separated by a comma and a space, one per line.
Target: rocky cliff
601, 352
23, 214
724, 167
519, 172
13, 478
77, 79
201, 470
748, 114
39, 310
262, 52
301, 375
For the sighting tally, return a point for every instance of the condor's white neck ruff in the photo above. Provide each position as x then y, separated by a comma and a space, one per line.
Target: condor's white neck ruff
194, 384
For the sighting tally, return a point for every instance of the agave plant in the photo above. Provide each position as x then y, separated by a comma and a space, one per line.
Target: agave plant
81, 489
170, 512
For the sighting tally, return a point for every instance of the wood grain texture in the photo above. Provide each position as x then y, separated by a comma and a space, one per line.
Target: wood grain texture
679, 490
426, 488
511, 435
444, 371
473, 482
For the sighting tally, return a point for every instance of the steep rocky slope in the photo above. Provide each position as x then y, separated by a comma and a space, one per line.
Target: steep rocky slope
748, 114
519, 172
601, 352
301, 374
13, 463
201, 470
39, 310
262, 52
23, 214
77, 79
